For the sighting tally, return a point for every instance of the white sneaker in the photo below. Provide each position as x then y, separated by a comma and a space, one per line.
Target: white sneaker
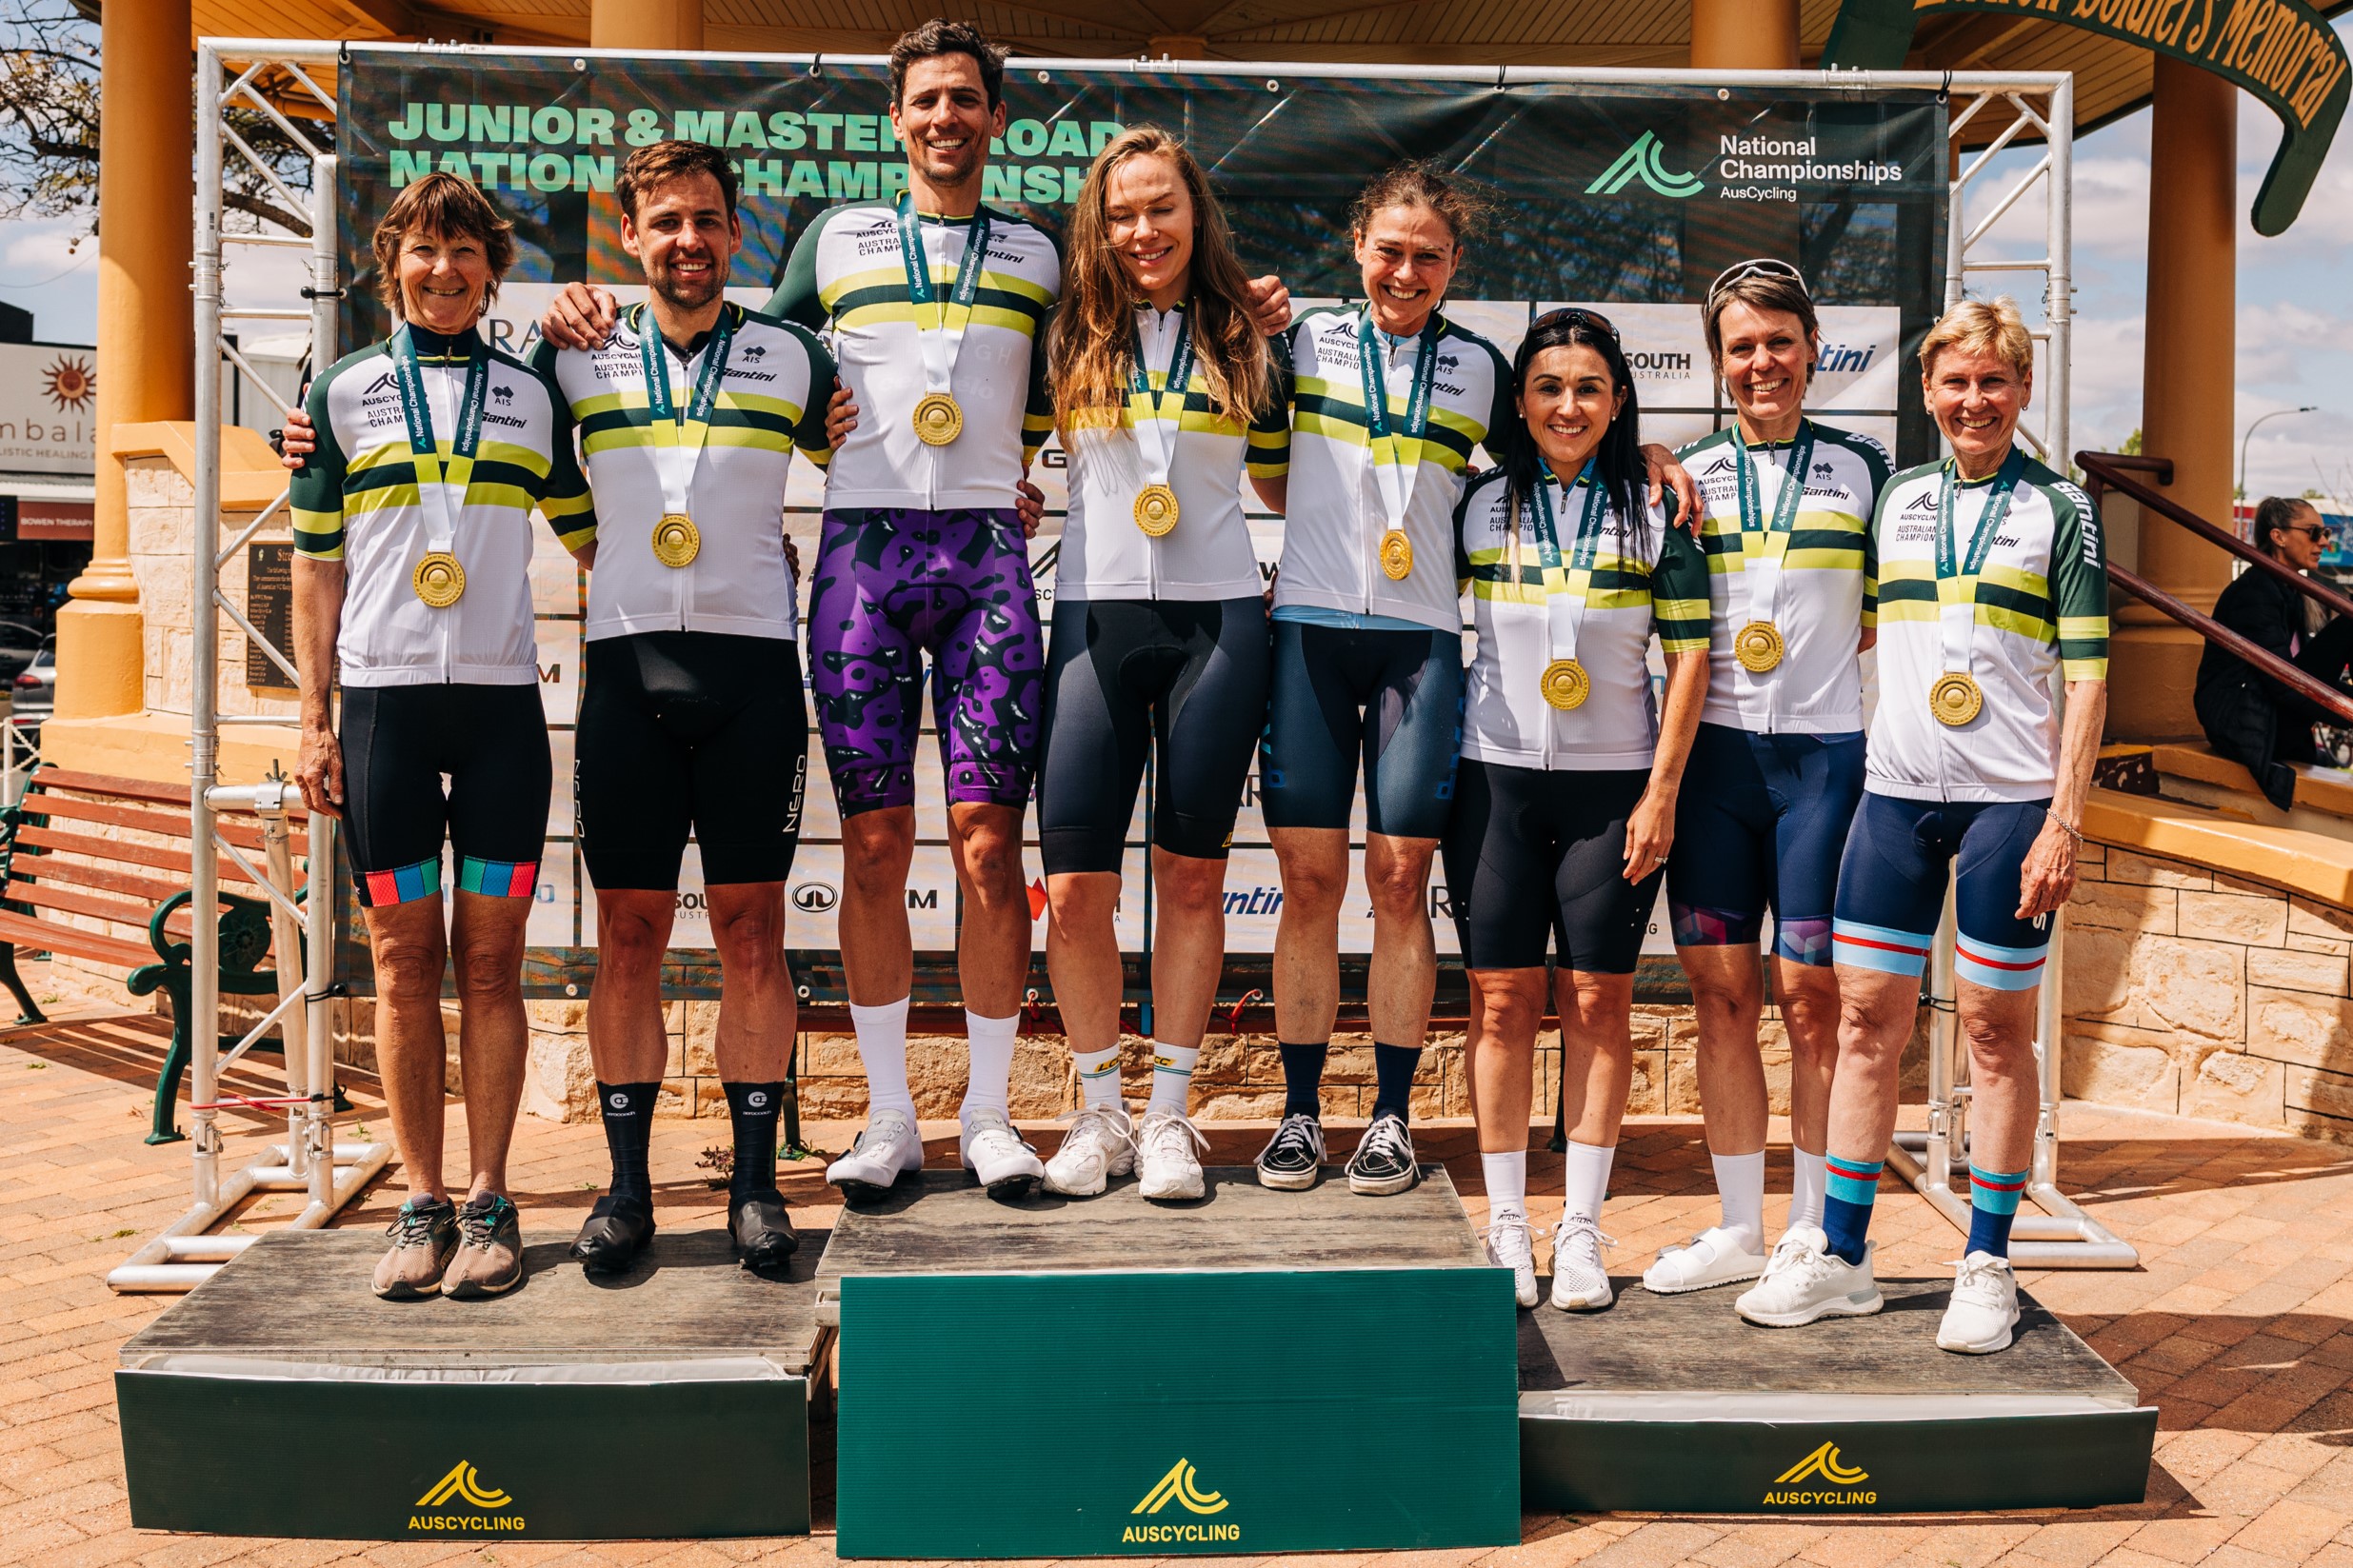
1166, 1155
991, 1150
887, 1150
1580, 1284
1806, 1280
1984, 1308
1100, 1145
1714, 1256
1513, 1245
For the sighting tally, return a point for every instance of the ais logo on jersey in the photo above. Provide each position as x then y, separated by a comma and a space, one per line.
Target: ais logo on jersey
1180, 1487
1643, 162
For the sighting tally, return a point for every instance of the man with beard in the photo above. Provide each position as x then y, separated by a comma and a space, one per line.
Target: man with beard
691, 713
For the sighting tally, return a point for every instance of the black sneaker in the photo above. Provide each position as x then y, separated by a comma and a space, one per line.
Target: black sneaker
489, 1250
1293, 1156
1383, 1162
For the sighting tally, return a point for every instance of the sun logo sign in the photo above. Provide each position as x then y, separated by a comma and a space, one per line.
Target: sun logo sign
71, 383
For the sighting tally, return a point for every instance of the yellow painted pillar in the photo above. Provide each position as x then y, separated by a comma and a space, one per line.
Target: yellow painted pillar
146, 350
2189, 373
1744, 34
645, 24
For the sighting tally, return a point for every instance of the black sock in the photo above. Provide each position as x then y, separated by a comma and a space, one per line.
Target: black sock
1393, 1068
1302, 1077
752, 1108
628, 1110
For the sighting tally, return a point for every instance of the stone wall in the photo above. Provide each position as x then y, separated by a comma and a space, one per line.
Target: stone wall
2196, 992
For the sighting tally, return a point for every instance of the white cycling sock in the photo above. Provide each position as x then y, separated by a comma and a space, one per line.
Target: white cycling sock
989, 1085
1506, 1183
1585, 1173
1740, 1189
882, 1048
1098, 1076
1172, 1077
1806, 1187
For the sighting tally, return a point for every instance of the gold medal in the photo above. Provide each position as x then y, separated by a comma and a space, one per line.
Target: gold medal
676, 539
1955, 698
439, 579
939, 419
1396, 555
1758, 646
1156, 509
1564, 683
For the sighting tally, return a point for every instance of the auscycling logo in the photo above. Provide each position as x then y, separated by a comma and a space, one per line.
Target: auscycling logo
1177, 1487
1822, 1461
463, 1486
1642, 162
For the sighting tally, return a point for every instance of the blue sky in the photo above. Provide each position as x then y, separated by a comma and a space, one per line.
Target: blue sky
2294, 316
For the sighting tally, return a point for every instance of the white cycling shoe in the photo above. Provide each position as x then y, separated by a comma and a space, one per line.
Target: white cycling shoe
1806, 1281
1983, 1315
887, 1150
992, 1151
1100, 1145
1511, 1244
1580, 1281
1714, 1256
1167, 1159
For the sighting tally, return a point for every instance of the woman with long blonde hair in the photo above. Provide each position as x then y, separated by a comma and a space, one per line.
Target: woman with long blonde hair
1165, 393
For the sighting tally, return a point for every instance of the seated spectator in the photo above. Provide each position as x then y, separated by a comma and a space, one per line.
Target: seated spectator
2247, 715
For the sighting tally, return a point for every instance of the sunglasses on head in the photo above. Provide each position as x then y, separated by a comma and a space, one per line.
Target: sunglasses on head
1573, 315
1756, 267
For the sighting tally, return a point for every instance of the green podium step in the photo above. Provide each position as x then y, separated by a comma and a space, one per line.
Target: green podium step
1258, 1372
1673, 1404
280, 1397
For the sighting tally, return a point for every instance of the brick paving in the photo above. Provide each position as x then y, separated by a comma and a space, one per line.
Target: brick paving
2239, 1326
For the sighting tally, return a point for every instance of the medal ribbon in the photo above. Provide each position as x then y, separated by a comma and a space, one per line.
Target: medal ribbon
1956, 579
1566, 590
679, 433
942, 343
1763, 541
1395, 477
1156, 437
434, 485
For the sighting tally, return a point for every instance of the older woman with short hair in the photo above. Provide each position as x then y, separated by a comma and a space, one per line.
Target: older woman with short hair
2247, 715
1990, 583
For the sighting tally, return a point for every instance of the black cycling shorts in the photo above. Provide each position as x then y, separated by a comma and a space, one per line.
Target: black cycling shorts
1533, 853
1393, 698
690, 730
1124, 677
398, 744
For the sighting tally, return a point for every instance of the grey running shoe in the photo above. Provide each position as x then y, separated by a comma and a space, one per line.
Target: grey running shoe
489, 1250
424, 1235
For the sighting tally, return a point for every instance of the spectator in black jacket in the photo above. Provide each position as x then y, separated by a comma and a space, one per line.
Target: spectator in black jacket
2247, 715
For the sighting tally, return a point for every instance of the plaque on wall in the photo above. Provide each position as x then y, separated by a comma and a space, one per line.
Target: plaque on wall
269, 605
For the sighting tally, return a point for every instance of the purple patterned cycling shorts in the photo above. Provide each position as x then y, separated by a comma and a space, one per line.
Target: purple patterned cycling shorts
893, 585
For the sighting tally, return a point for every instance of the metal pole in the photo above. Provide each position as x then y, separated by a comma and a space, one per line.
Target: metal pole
319, 911
203, 762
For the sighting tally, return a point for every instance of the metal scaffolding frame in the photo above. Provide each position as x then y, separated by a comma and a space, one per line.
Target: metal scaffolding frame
2037, 103
302, 926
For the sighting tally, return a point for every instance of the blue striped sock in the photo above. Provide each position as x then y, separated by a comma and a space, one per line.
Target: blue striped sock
1849, 1190
1993, 1203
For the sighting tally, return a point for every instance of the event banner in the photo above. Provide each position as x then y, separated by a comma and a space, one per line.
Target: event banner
1629, 199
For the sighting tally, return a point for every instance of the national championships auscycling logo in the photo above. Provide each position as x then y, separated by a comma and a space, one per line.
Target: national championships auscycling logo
1823, 1462
1642, 162
1177, 1487
463, 1486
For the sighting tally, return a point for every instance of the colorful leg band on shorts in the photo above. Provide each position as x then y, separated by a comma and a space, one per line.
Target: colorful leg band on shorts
1696, 927
1800, 941
2000, 968
1879, 948
403, 885
498, 879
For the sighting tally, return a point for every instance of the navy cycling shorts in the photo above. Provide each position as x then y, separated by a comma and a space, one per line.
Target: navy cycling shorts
1891, 888
1763, 826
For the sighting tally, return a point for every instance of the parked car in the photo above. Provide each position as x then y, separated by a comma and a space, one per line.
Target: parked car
33, 693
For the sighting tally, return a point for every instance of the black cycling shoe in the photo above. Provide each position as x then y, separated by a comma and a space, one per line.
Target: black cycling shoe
617, 1230
761, 1230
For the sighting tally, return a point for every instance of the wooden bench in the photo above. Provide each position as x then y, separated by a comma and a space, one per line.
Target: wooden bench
62, 865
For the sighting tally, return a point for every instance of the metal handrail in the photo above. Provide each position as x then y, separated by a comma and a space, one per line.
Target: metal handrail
2108, 470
